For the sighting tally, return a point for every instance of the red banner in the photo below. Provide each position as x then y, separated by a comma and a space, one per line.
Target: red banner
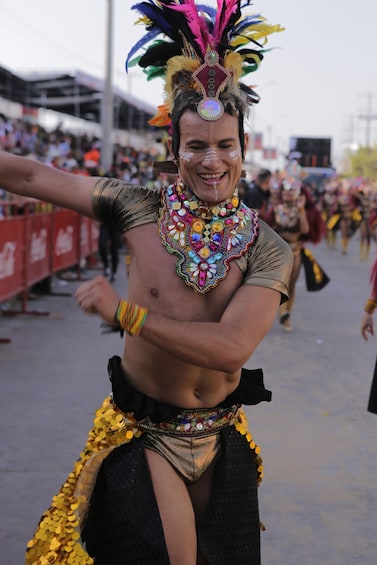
11, 257
38, 248
65, 238
36, 245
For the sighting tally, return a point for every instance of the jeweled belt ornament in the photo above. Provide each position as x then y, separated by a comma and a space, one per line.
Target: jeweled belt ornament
196, 422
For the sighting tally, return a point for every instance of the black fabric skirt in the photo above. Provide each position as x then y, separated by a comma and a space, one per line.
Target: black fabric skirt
124, 525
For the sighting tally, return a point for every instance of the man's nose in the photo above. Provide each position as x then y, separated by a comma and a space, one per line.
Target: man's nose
210, 158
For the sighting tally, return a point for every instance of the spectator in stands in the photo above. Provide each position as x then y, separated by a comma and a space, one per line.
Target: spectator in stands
92, 156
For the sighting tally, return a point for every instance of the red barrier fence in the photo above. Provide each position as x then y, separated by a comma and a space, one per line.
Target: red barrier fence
38, 244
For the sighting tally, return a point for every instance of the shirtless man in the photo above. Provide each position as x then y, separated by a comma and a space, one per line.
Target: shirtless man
192, 346
169, 474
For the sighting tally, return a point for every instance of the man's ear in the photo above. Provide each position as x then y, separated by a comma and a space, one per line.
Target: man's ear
170, 147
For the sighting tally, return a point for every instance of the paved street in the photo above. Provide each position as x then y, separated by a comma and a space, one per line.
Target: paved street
319, 496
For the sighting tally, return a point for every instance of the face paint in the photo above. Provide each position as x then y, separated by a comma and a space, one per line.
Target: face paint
235, 154
186, 155
210, 155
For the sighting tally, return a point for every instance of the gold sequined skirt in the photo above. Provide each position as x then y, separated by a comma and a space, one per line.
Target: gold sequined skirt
57, 539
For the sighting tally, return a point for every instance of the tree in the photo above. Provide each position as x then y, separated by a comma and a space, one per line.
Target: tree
364, 163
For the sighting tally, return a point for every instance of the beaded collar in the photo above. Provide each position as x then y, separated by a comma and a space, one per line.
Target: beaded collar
205, 238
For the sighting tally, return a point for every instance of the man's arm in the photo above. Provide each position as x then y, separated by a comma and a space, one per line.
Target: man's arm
29, 178
223, 346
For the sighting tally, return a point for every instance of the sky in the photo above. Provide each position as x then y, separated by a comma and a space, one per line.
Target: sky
318, 80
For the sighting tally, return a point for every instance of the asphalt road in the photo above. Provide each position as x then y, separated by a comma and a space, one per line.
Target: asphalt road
318, 499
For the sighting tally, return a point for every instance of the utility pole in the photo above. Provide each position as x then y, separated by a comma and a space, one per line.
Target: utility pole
107, 100
368, 117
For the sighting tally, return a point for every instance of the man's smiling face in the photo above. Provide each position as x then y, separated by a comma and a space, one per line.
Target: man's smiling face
210, 157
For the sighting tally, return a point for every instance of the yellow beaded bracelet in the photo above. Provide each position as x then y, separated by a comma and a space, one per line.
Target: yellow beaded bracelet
131, 317
370, 305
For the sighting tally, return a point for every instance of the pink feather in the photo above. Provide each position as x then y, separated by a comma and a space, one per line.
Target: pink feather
194, 21
223, 16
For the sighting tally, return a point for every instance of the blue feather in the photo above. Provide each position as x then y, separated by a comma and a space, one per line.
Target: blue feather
210, 10
246, 23
156, 15
145, 39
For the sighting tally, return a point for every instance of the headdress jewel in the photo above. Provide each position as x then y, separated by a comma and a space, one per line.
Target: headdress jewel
201, 48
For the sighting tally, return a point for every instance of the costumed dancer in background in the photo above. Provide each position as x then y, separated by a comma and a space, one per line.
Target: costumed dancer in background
365, 203
346, 215
296, 218
170, 471
373, 223
327, 204
367, 330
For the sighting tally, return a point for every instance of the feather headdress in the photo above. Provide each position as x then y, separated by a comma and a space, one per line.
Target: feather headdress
195, 46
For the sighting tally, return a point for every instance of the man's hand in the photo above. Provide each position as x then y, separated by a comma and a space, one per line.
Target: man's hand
98, 296
366, 326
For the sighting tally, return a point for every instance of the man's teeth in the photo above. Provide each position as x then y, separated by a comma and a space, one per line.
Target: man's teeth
209, 177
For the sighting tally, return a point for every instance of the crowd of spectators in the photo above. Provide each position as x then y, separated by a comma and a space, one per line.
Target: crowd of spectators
79, 154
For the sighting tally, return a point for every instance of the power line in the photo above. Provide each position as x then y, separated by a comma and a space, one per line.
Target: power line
368, 117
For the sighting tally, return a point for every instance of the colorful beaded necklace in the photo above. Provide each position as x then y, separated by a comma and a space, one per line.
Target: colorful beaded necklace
204, 237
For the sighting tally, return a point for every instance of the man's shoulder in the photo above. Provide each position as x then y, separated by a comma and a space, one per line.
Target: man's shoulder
270, 239
113, 184
125, 205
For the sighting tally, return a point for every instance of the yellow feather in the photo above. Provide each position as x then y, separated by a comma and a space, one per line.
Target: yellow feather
258, 32
175, 65
233, 62
144, 20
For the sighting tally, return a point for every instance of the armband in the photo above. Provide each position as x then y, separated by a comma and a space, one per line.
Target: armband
131, 317
370, 305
